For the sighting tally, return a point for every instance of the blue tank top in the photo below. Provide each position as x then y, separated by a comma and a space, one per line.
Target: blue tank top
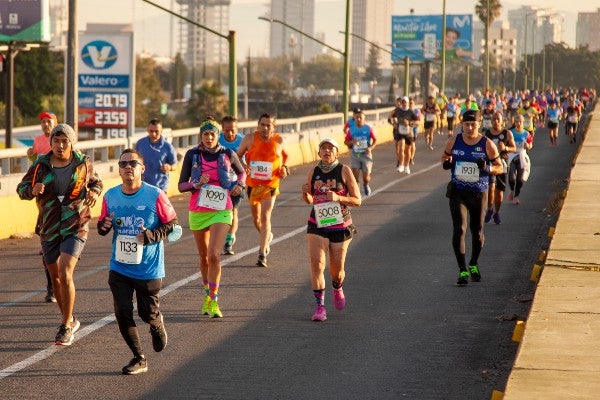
465, 173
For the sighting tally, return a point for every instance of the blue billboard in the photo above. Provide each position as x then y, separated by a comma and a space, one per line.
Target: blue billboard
419, 37
24, 20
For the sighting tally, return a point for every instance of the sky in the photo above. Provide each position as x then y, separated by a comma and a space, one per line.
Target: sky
152, 25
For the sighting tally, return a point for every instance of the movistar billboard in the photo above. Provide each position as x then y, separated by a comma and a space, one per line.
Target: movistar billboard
419, 37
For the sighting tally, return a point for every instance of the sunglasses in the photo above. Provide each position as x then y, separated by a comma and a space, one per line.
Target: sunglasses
131, 163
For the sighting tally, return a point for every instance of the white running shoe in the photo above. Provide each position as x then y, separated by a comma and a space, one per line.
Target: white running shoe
400, 168
407, 170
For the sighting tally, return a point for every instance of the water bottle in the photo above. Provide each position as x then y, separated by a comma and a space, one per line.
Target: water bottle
175, 234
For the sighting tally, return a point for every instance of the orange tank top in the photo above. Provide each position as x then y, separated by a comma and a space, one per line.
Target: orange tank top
264, 160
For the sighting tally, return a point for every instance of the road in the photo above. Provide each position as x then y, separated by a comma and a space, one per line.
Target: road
407, 332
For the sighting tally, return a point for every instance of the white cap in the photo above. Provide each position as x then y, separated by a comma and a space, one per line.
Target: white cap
330, 141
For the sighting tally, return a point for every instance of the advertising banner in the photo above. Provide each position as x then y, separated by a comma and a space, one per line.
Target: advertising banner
419, 37
25, 20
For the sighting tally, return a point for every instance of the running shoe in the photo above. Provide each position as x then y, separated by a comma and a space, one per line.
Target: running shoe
214, 311
488, 215
137, 365
511, 196
262, 261
497, 220
339, 300
516, 201
159, 336
367, 190
475, 275
75, 324
407, 170
320, 314
50, 297
400, 168
463, 278
64, 337
205, 305
228, 249
430, 147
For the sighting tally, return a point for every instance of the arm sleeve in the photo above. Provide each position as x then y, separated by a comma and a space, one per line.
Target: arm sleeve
186, 171
103, 214
238, 168
167, 218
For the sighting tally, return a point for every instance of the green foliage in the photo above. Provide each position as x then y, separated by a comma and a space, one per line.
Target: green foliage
207, 100
148, 94
324, 71
373, 70
177, 77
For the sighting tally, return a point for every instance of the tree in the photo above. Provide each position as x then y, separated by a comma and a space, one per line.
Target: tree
373, 71
487, 11
148, 93
207, 100
177, 75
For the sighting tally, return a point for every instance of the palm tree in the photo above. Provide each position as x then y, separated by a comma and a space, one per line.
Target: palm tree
487, 11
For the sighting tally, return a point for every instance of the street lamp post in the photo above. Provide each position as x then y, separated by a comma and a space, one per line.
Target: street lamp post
233, 106
345, 54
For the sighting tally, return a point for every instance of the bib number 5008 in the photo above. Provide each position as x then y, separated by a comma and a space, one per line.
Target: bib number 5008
328, 214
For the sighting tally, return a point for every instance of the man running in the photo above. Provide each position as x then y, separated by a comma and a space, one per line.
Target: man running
361, 139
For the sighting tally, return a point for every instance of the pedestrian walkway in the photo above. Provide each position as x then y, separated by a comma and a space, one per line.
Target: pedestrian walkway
559, 355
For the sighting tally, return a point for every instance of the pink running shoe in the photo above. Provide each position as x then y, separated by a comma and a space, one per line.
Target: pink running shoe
516, 201
339, 300
510, 196
320, 314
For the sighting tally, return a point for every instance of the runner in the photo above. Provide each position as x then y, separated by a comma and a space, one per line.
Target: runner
471, 157
205, 173
362, 140
430, 111
518, 160
65, 186
571, 117
402, 118
230, 139
142, 217
441, 100
554, 115
530, 116
451, 113
265, 158
504, 141
331, 188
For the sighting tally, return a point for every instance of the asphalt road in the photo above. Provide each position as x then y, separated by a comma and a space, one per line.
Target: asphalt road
407, 331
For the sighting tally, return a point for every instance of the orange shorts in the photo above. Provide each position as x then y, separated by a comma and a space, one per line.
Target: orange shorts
257, 194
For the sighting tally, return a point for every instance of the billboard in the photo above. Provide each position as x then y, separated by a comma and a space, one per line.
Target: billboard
106, 83
25, 20
419, 37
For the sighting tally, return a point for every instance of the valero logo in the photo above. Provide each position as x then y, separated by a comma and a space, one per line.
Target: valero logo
99, 54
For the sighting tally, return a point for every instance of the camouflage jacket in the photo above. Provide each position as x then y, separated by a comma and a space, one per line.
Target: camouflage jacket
57, 219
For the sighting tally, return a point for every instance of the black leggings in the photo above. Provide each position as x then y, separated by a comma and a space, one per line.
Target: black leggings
474, 204
515, 176
146, 293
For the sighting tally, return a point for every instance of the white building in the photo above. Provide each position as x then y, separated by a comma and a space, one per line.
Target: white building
503, 43
588, 30
544, 26
299, 14
371, 20
199, 46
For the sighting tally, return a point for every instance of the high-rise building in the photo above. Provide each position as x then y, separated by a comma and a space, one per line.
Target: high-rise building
284, 41
588, 30
199, 46
371, 20
544, 26
503, 44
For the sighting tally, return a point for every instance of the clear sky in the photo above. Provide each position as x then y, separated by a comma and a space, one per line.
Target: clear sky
152, 25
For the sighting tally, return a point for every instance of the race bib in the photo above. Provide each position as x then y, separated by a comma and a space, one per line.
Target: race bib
450, 113
466, 171
403, 129
527, 122
572, 118
328, 214
261, 170
360, 146
129, 249
486, 123
213, 197
429, 117
554, 120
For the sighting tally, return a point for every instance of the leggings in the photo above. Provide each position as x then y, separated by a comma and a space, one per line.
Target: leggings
464, 204
515, 176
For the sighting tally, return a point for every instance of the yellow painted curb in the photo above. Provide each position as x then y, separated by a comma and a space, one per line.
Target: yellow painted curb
518, 332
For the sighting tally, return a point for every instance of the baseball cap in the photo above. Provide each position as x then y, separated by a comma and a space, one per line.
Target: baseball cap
331, 142
470, 116
405, 98
357, 110
48, 115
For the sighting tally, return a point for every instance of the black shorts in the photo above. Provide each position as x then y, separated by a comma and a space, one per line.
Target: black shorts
235, 200
408, 139
552, 125
333, 236
429, 124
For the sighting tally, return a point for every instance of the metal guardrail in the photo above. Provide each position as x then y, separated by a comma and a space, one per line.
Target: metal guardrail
15, 161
